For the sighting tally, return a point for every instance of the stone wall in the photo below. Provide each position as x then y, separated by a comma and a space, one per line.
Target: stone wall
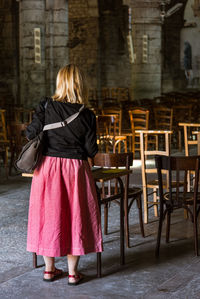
9, 69
92, 34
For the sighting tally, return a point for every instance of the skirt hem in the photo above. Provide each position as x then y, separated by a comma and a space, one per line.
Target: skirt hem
52, 253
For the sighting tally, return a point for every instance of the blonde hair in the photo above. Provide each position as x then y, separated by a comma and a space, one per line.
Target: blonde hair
70, 85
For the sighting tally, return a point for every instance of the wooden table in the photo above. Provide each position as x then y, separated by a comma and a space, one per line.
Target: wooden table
102, 175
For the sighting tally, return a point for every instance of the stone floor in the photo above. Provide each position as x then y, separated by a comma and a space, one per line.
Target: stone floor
176, 274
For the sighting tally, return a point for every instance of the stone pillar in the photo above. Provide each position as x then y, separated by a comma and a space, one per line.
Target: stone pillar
83, 40
38, 79
32, 75
56, 35
146, 33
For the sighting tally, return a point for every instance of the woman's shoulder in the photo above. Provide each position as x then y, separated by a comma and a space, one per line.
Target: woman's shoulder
89, 112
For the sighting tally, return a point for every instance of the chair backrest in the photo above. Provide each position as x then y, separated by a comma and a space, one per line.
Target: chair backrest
117, 112
139, 118
106, 125
181, 113
145, 154
106, 131
113, 160
178, 168
163, 118
22, 115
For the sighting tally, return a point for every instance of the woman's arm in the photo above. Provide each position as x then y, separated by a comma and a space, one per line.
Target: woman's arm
37, 124
91, 146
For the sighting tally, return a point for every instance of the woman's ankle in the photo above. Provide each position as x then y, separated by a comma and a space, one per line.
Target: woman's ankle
50, 268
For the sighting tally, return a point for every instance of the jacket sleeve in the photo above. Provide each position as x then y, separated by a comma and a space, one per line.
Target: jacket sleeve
37, 124
91, 146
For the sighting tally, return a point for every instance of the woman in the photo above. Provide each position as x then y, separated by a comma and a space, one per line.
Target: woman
63, 212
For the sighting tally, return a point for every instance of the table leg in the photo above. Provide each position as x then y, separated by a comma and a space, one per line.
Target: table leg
99, 253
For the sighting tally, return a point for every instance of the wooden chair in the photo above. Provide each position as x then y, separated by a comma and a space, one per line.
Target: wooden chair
181, 113
150, 184
180, 198
93, 99
17, 141
119, 136
108, 135
163, 117
4, 142
190, 131
191, 135
139, 119
23, 115
131, 193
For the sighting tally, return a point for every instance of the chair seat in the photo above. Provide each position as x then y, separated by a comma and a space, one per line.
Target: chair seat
134, 191
154, 184
184, 199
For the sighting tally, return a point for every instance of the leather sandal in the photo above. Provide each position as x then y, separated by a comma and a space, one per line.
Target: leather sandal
56, 273
78, 278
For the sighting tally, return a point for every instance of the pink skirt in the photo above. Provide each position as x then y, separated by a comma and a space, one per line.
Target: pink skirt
63, 216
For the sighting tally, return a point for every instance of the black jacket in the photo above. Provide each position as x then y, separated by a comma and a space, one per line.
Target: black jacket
77, 140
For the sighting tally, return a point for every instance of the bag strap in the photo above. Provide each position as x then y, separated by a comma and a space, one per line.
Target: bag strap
64, 122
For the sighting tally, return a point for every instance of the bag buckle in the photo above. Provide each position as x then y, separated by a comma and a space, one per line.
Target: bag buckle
64, 123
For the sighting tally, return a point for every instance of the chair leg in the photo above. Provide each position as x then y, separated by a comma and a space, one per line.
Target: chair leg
155, 201
126, 147
119, 147
139, 205
126, 212
98, 264
159, 233
145, 204
196, 235
179, 141
34, 260
156, 142
106, 219
168, 226
122, 256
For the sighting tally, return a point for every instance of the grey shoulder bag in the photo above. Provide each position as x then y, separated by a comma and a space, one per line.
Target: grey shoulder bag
31, 153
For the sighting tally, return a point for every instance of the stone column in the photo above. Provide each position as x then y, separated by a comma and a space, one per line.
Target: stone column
32, 75
56, 35
51, 17
84, 34
146, 34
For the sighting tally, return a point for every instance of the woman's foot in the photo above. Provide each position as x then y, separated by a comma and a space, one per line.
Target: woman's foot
75, 279
51, 275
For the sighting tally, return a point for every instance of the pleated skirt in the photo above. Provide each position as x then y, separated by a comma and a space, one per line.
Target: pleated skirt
63, 215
